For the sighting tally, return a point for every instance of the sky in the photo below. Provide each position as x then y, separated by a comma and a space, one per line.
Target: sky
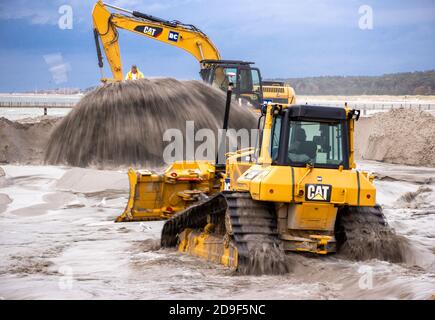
285, 38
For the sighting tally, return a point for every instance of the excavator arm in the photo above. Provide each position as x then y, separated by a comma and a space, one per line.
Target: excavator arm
175, 33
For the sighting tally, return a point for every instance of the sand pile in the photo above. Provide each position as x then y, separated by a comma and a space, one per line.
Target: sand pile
400, 136
91, 182
24, 141
123, 123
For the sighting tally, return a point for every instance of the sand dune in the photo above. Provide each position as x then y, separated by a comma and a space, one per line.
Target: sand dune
401, 136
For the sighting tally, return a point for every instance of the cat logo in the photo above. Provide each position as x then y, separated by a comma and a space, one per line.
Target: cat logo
318, 192
149, 31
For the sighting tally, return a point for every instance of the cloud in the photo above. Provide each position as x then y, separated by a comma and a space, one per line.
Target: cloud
58, 68
46, 12
34, 12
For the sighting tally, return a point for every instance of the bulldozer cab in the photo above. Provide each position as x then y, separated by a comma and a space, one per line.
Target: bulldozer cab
320, 137
245, 78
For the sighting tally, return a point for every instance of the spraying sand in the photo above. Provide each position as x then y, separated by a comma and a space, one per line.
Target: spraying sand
399, 136
123, 123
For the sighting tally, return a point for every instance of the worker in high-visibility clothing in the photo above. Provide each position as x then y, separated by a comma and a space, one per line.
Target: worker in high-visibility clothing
134, 74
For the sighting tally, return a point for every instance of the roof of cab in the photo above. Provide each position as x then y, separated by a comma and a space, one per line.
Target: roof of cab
316, 112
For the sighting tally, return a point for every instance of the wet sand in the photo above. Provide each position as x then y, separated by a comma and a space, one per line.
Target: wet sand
58, 241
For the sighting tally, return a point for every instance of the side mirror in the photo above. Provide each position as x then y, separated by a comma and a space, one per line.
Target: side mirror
354, 114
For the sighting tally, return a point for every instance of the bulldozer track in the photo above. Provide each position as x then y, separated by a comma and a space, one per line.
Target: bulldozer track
254, 231
363, 233
249, 224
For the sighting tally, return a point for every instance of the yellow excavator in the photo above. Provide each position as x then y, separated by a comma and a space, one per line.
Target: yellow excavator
213, 70
299, 190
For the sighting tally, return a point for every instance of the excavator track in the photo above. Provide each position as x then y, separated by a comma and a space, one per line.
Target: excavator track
249, 225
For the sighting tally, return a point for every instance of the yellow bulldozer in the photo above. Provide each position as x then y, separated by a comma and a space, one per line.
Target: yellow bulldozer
213, 70
298, 190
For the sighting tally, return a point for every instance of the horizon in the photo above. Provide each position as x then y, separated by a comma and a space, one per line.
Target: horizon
82, 90
334, 39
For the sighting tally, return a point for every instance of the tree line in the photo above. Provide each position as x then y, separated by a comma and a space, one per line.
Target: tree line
406, 83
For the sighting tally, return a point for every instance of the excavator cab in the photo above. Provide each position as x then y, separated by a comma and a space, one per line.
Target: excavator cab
245, 78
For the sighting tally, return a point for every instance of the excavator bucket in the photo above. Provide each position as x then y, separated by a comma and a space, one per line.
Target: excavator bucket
155, 196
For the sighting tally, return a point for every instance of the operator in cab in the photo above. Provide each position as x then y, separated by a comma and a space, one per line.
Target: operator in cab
134, 74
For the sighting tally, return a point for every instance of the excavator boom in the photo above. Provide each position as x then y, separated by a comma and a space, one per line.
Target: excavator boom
184, 36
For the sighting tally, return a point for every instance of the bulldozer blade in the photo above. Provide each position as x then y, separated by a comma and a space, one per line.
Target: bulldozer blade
158, 196
145, 189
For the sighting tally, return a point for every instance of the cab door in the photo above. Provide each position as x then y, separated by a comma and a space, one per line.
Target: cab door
249, 85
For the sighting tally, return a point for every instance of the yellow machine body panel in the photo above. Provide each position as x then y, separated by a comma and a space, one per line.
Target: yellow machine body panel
293, 184
236, 165
278, 92
312, 216
209, 247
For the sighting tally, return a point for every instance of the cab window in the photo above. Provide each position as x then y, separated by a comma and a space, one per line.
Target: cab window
223, 76
255, 76
317, 143
275, 138
245, 80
